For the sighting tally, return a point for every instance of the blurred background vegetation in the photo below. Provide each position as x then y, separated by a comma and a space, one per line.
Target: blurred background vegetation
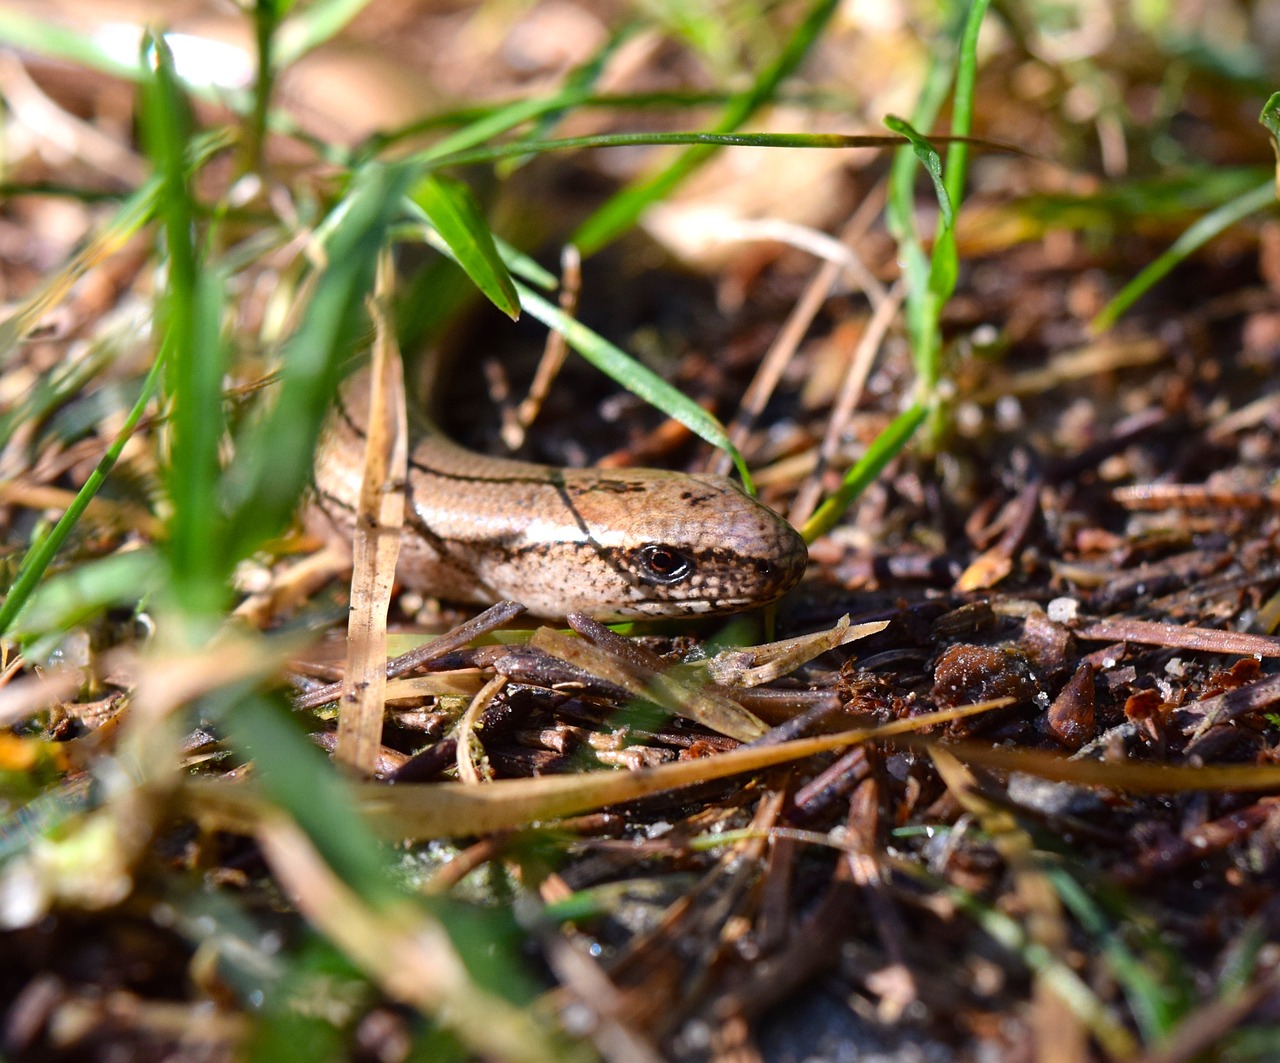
196, 196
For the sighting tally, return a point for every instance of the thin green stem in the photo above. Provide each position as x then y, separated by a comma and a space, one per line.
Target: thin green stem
42, 553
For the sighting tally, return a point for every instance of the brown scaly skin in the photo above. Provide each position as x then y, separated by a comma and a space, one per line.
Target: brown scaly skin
612, 544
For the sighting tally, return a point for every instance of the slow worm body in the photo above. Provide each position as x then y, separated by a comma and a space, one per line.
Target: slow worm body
611, 543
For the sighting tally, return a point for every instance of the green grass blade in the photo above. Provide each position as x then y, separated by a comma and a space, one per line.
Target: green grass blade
544, 110
458, 219
189, 318
642, 382
621, 367
931, 285
939, 278
495, 152
525, 267
60, 42
886, 445
1270, 119
962, 102
276, 450
1156, 1006
900, 212
42, 553
1195, 237
311, 26
299, 778
117, 581
928, 157
621, 212
489, 123
580, 83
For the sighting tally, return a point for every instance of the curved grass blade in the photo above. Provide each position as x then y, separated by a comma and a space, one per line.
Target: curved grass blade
451, 809
929, 158
580, 83
886, 446
61, 42
621, 367
543, 110
118, 581
644, 383
1188, 243
458, 219
42, 553
311, 26
1156, 1005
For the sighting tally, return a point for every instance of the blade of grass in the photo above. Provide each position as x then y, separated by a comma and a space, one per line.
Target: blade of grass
886, 446
491, 123
266, 20
621, 367
621, 212
299, 780
579, 84
1156, 1006
900, 209
72, 597
930, 282
189, 318
1131, 777
42, 553
939, 278
1188, 243
640, 381
297, 777
929, 289
414, 956
72, 46
310, 25
458, 219
962, 102
375, 545
491, 153
274, 453
544, 110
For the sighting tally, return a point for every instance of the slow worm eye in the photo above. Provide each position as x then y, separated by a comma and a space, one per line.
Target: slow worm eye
665, 564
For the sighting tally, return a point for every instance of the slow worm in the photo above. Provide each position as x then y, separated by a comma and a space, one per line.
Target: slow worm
614, 544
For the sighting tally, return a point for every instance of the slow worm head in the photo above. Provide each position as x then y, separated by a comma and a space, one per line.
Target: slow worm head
612, 544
